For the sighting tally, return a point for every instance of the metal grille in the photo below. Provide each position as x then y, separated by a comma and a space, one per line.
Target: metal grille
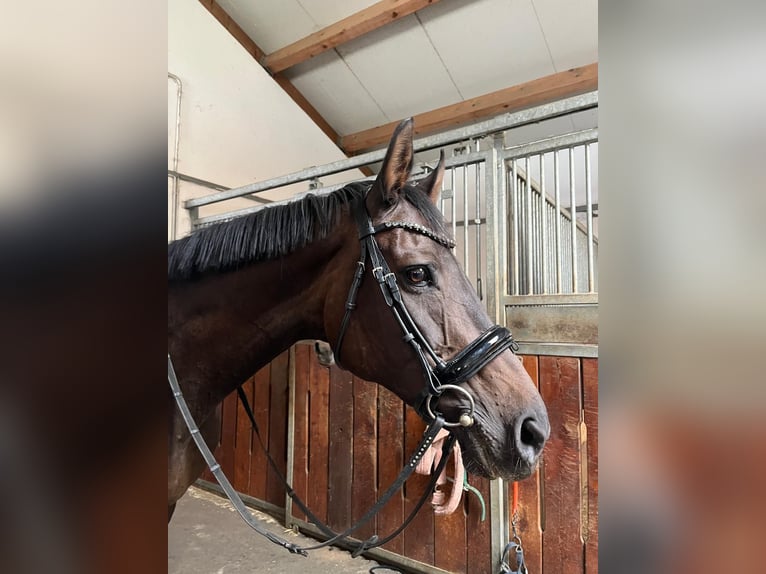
463, 203
552, 252
523, 217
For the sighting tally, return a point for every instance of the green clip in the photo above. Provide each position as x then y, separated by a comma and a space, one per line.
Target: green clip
468, 488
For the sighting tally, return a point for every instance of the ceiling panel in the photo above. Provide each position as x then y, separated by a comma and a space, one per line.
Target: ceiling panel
336, 93
571, 31
488, 45
325, 13
398, 65
448, 52
272, 24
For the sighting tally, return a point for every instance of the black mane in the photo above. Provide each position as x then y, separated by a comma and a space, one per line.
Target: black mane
275, 231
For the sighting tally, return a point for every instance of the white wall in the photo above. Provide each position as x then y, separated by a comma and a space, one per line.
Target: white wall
237, 125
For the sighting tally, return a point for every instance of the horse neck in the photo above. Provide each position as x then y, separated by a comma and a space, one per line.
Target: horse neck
225, 327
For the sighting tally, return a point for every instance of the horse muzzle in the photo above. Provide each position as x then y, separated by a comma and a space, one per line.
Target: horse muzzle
510, 452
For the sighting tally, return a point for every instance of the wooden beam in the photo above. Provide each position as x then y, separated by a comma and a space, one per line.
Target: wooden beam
252, 48
358, 24
536, 92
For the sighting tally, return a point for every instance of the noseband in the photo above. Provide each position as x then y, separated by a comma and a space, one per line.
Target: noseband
439, 375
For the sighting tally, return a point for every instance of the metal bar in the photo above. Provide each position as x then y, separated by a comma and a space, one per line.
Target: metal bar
589, 205
465, 218
557, 223
464, 159
196, 180
289, 471
516, 245
176, 145
529, 238
442, 198
491, 185
226, 216
558, 350
194, 216
535, 240
572, 206
498, 516
552, 299
552, 144
453, 215
212, 185
502, 220
446, 194
544, 221
564, 214
494, 125
477, 224
495, 190
566, 259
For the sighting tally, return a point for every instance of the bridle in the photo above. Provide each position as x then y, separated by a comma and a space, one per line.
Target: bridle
438, 374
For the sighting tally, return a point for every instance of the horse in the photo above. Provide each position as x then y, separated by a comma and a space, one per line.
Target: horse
243, 291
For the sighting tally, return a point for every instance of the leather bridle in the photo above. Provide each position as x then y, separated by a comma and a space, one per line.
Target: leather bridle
438, 374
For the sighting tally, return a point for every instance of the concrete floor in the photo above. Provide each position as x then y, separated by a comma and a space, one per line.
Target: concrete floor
207, 536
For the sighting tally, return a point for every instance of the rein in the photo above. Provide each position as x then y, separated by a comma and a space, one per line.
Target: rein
374, 541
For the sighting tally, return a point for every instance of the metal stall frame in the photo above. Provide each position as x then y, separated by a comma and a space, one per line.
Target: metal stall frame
500, 291
545, 305
498, 124
173, 169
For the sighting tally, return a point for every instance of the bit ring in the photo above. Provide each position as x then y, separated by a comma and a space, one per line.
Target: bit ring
466, 418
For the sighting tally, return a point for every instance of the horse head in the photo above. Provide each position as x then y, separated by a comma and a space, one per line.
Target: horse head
508, 423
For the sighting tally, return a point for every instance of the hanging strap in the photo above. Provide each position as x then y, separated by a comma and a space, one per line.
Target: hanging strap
215, 468
373, 542
272, 463
431, 432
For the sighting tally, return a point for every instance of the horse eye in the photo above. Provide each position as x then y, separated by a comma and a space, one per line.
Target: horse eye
418, 275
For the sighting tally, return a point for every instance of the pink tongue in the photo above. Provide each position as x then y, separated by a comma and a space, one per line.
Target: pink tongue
430, 459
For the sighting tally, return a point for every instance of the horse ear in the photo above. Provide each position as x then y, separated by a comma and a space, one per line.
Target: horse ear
397, 164
431, 185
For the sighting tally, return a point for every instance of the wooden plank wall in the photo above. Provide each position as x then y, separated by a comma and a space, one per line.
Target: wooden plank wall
347, 471
352, 438
241, 458
558, 505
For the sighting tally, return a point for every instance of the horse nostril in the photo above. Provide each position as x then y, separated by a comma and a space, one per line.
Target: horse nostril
530, 438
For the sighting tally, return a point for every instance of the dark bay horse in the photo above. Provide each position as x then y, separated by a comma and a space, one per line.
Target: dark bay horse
243, 291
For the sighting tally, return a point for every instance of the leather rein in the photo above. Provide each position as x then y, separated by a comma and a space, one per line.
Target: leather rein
438, 374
